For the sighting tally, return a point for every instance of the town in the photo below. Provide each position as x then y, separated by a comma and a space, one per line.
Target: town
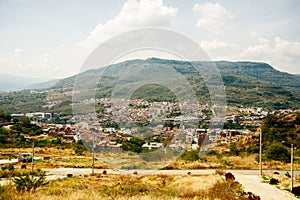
159, 124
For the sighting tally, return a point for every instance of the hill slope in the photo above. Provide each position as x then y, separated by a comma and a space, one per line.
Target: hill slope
246, 83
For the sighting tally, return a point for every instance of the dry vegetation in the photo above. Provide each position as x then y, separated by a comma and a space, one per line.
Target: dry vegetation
145, 187
231, 162
67, 158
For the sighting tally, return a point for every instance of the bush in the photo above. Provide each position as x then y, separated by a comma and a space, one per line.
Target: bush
191, 155
229, 176
30, 182
274, 181
79, 148
11, 167
278, 152
296, 191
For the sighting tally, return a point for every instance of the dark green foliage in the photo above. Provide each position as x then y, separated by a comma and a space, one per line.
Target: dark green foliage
42, 143
24, 126
30, 182
278, 152
247, 83
4, 116
9, 167
79, 148
57, 140
235, 149
134, 145
275, 129
279, 128
253, 150
154, 92
192, 155
296, 191
232, 125
274, 181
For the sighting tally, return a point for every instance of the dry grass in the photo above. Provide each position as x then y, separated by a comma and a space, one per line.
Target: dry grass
131, 187
67, 158
284, 181
231, 162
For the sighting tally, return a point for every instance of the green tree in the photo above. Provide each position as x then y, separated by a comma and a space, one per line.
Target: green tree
4, 116
30, 182
278, 152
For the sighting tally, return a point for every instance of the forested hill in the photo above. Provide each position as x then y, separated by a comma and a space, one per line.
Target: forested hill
254, 70
259, 71
246, 84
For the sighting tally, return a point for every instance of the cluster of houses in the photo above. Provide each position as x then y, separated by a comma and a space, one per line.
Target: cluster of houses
169, 114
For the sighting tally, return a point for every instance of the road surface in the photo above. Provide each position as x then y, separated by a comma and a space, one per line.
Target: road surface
3, 162
254, 184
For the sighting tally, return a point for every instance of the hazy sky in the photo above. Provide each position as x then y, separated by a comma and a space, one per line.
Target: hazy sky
52, 38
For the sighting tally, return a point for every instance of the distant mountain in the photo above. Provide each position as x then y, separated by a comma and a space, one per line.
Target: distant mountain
15, 83
43, 85
246, 83
253, 70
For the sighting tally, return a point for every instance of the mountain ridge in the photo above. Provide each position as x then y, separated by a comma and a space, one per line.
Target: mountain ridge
246, 84
238, 68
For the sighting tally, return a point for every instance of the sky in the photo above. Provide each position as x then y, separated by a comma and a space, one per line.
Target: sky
52, 38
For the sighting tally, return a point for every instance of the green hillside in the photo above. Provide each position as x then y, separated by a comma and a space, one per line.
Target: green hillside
275, 129
246, 83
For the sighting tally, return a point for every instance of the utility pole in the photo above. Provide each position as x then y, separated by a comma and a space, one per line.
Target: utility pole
93, 153
32, 162
260, 152
292, 163
292, 166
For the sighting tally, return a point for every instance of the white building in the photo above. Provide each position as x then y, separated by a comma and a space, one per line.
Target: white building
153, 145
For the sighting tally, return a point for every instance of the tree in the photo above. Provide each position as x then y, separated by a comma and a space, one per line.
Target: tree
79, 148
4, 116
25, 122
278, 152
30, 182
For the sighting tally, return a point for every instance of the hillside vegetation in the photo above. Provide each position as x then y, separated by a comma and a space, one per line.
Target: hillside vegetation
275, 129
246, 83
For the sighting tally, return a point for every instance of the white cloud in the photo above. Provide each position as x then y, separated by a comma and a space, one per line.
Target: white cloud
213, 17
134, 14
283, 54
45, 60
215, 44
19, 59
219, 50
18, 51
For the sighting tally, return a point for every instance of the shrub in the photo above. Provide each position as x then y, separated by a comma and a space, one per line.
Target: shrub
227, 162
79, 148
274, 181
278, 152
287, 174
30, 182
296, 191
229, 176
191, 155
